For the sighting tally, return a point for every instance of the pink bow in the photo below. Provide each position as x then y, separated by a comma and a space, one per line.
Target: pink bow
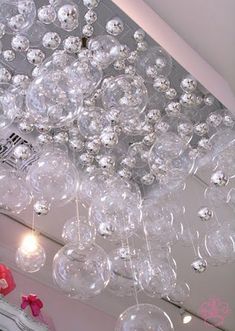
34, 302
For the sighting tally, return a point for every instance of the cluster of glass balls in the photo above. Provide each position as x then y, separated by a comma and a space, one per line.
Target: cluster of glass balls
117, 131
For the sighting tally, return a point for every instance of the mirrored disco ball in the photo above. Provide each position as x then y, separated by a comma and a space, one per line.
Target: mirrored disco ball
81, 273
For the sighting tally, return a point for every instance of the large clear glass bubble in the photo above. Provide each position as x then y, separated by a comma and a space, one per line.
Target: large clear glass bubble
17, 15
93, 184
117, 212
53, 99
59, 60
104, 49
131, 122
53, 177
92, 121
157, 276
14, 193
179, 293
125, 92
219, 245
153, 62
85, 74
30, 256
79, 231
9, 103
123, 281
144, 317
157, 223
81, 273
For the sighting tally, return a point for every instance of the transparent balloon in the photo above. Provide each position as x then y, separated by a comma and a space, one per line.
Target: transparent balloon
81, 273
53, 177
14, 193
144, 317
79, 231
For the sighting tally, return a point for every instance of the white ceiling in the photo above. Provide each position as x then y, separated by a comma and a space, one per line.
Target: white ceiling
207, 26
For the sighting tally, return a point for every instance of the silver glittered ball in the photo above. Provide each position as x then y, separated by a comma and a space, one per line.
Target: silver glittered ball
119, 65
188, 100
25, 7
228, 120
76, 144
72, 44
35, 56
205, 214
219, 178
124, 51
214, 120
173, 109
153, 115
43, 128
129, 162
132, 57
93, 146
8, 55
20, 43
125, 173
161, 84
109, 138
44, 139
68, 17
171, 94
46, 14
201, 129
199, 265
115, 26
21, 81
205, 144
90, 17
86, 159
5, 75
142, 46
209, 100
130, 70
51, 40
139, 35
188, 84
87, 30
147, 179
107, 162
25, 127
2, 30
90, 4
22, 152
149, 139
41, 207
16, 22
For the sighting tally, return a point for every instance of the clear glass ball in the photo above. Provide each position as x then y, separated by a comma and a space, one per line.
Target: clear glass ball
123, 281
125, 92
53, 177
92, 121
30, 256
14, 193
104, 49
144, 317
81, 232
81, 273
17, 15
156, 60
9, 104
52, 99
86, 74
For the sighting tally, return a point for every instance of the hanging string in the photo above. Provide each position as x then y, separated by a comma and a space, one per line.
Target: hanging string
33, 222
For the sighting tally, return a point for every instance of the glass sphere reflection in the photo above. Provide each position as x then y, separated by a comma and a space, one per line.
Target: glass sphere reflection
81, 273
144, 317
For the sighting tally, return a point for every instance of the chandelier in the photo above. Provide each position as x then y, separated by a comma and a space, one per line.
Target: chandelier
117, 127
